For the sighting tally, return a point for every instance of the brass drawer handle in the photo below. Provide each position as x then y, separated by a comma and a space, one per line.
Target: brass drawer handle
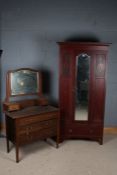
28, 130
70, 130
91, 131
29, 137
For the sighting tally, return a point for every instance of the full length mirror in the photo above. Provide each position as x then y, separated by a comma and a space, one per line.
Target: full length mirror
82, 87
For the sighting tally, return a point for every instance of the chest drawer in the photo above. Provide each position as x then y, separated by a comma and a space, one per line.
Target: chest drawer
36, 119
27, 129
37, 134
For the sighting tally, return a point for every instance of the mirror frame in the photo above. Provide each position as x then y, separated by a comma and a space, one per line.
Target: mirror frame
8, 83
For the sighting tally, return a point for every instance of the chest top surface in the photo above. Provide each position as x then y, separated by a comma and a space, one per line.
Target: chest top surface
31, 111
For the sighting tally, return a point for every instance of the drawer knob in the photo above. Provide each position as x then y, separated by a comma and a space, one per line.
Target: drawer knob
91, 131
70, 130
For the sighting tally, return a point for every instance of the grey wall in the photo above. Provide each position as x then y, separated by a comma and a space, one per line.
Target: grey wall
30, 30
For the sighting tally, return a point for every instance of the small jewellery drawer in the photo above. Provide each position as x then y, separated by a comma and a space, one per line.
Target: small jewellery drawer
13, 107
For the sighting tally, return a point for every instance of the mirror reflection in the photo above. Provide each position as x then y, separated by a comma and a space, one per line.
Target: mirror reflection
24, 82
82, 87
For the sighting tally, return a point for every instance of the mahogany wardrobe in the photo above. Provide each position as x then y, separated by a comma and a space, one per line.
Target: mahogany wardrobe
82, 89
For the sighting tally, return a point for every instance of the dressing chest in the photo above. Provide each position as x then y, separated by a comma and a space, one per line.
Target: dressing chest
29, 120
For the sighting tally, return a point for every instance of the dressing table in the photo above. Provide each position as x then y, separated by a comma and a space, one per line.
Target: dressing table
28, 120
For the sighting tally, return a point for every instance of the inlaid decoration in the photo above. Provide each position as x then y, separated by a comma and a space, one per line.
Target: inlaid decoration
100, 66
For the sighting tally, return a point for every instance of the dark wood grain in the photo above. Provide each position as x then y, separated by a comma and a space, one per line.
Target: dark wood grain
93, 128
29, 120
31, 124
